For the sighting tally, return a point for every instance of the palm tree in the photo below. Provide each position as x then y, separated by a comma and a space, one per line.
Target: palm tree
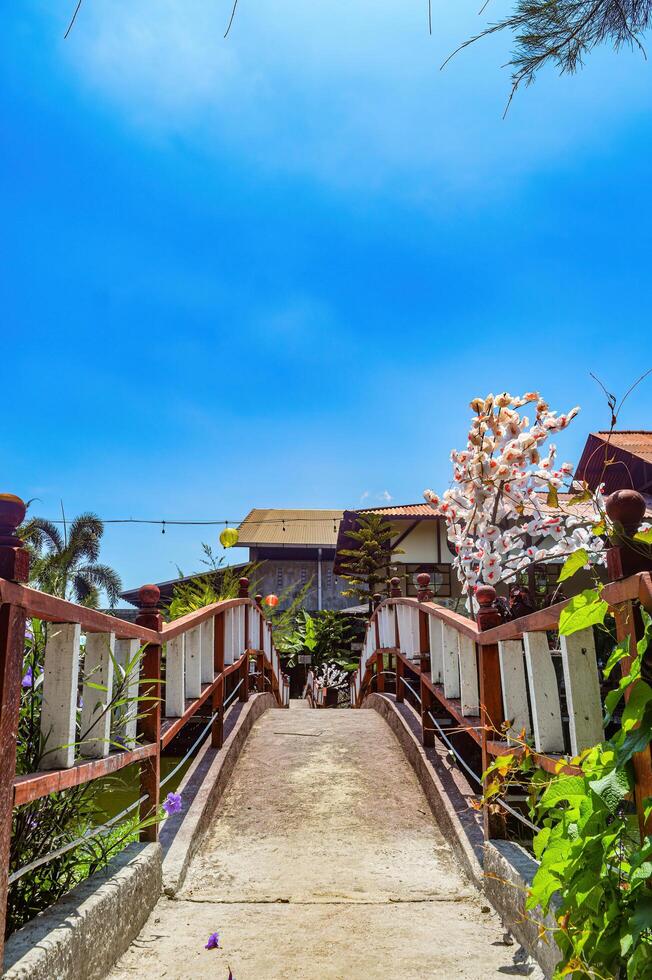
67, 565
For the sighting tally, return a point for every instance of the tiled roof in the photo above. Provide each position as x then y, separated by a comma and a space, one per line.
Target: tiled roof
401, 510
311, 528
635, 441
584, 509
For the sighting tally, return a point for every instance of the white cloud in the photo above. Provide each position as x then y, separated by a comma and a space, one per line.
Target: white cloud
364, 496
385, 495
346, 92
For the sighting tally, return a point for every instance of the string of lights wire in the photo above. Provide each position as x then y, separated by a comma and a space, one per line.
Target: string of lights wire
189, 523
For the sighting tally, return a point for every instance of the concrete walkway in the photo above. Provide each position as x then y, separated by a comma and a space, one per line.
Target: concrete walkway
322, 863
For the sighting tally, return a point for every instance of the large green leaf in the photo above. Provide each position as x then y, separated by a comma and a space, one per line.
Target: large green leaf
638, 739
567, 789
635, 707
641, 919
644, 536
583, 610
619, 652
573, 563
612, 788
310, 639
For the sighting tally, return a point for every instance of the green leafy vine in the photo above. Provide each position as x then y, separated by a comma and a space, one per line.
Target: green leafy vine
595, 866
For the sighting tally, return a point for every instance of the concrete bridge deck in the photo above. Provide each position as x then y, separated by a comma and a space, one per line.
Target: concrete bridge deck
323, 862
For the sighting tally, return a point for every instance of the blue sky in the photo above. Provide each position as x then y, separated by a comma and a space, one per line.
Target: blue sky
272, 270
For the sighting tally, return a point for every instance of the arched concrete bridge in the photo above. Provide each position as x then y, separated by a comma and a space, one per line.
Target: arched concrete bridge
322, 860
319, 844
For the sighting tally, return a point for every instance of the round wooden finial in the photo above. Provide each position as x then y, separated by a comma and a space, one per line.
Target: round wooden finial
395, 587
376, 599
424, 592
148, 596
244, 588
627, 508
12, 515
486, 595
258, 599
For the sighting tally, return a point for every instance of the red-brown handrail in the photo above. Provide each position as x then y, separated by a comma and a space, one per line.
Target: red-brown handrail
18, 602
481, 647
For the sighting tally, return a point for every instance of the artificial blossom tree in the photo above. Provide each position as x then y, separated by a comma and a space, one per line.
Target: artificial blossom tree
504, 511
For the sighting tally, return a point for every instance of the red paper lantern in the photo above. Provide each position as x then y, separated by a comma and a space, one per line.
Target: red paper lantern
271, 600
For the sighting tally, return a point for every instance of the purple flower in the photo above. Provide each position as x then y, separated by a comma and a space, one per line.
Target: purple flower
28, 679
29, 633
80, 702
213, 941
172, 805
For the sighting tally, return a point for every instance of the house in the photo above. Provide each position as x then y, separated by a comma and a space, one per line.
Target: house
296, 548
168, 587
628, 458
421, 536
300, 547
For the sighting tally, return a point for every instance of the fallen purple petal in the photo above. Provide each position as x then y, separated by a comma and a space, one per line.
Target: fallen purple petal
172, 805
213, 941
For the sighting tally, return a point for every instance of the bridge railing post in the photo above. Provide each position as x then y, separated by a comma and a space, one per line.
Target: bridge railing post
217, 728
149, 710
626, 509
244, 670
14, 566
491, 701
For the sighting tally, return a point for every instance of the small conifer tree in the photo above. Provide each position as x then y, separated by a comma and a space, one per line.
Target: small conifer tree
367, 567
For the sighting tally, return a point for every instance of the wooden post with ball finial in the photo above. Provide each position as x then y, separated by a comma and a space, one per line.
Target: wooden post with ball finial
491, 701
14, 567
626, 511
149, 710
244, 687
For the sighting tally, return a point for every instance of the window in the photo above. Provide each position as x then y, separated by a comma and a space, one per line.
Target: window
304, 575
329, 580
279, 579
440, 578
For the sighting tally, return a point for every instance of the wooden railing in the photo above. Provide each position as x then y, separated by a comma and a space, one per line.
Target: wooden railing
466, 678
201, 661
317, 695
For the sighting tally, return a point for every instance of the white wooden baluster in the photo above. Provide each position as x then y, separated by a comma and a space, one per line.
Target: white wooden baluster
450, 662
386, 627
175, 696
229, 632
254, 629
408, 631
436, 629
59, 708
582, 690
95, 727
193, 663
469, 694
267, 639
241, 633
514, 686
125, 655
544, 694
207, 639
